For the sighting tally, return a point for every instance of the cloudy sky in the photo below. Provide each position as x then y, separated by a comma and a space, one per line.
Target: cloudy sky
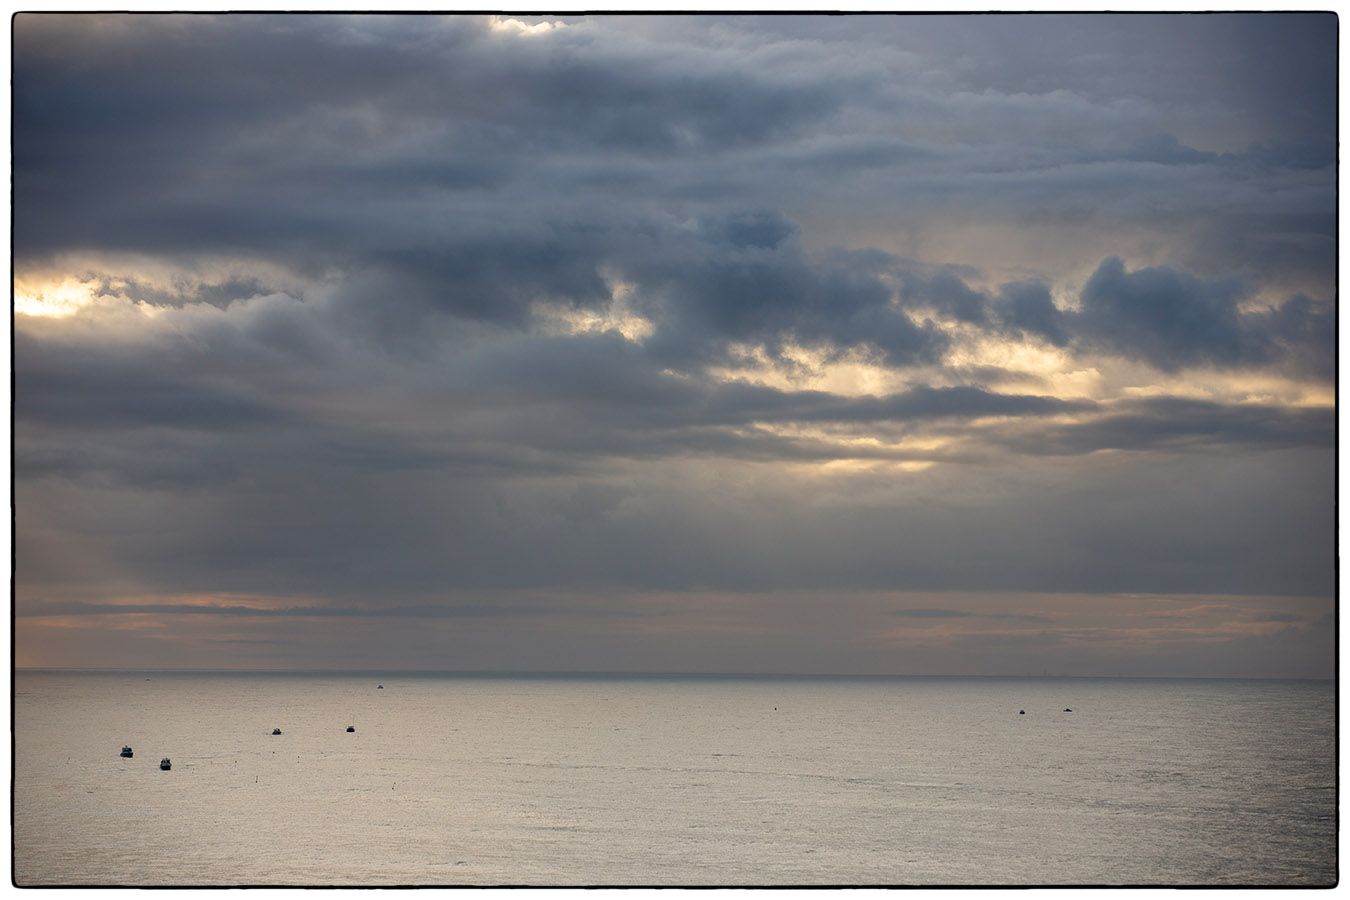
969, 344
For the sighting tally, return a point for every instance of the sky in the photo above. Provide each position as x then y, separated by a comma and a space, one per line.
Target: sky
997, 345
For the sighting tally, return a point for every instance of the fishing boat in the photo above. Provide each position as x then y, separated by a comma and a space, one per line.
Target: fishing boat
126, 752
165, 765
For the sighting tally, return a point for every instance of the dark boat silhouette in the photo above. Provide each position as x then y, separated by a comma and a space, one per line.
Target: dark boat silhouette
276, 731
351, 728
126, 752
165, 765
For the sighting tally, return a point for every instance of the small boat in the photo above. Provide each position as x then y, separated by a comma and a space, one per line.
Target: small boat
379, 687
126, 753
1066, 709
276, 731
351, 728
165, 765
1021, 712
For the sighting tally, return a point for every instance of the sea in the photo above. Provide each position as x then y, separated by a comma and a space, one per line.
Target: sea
681, 780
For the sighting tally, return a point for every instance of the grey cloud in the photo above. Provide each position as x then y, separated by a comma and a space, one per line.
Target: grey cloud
1173, 319
918, 403
931, 613
532, 165
360, 235
966, 614
220, 293
948, 295
1252, 523
1167, 317
527, 403
1028, 308
440, 610
1283, 618
1021, 617
1305, 331
1174, 423
1170, 318
215, 95
747, 280
230, 391
103, 390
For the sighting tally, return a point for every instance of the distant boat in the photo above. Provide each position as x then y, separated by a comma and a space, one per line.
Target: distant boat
1066, 709
126, 752
165, 764
1021, 712
379, 687
276, 731
351, 728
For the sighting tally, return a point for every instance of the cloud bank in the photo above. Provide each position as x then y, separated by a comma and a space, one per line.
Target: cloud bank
394, 318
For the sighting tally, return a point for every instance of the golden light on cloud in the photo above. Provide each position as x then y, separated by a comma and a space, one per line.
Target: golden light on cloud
515, 26
863, 453
53, 299
854, 466
1061, 374
804, 369
1236, 387
60, 297
580, 321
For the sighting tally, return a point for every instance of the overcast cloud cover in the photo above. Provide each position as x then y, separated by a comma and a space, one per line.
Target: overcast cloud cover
959, 344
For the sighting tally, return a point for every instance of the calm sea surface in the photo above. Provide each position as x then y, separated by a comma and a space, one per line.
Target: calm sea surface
480, 780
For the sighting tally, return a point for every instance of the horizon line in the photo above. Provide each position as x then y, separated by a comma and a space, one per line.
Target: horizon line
564, 673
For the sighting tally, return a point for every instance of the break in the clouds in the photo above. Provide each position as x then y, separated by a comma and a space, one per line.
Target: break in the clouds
864, 343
